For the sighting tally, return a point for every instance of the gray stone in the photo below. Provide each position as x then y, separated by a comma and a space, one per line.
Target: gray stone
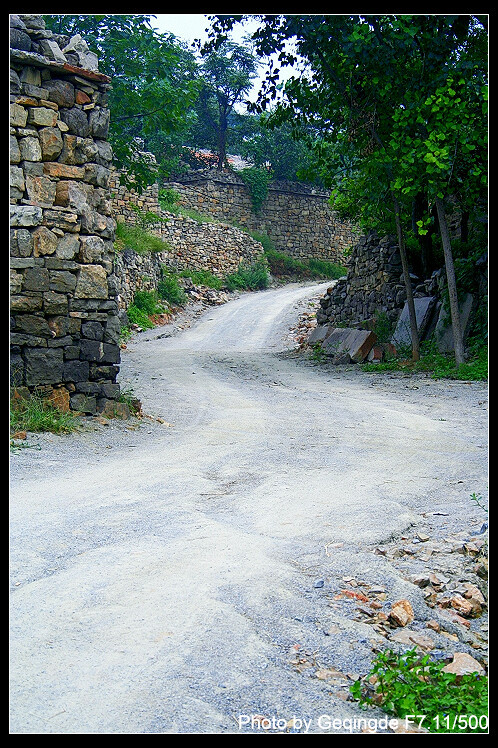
99, 122
76, 371
20, 40
424, 308
92, 330
30, 149
76, 120
62, 281
36, 279
51, 50
68, 247
443, 332
60, 92
84, 403
43, 366
319, 334
15, 153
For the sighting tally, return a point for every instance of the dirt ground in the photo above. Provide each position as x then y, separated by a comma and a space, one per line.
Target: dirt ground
184, 572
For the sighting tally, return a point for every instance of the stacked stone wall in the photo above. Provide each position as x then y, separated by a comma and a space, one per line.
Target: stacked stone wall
189, 245
373, 283
64, 324
297, 218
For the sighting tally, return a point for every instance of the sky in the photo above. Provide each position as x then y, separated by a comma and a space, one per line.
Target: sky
192, 26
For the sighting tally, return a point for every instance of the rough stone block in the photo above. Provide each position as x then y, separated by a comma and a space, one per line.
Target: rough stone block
30, 149
443, 332
84, 403
40, 190
424, 307
92, 283
42, 116
51, 143
61, 92
319, 334
43, 366
44, 241
18, 115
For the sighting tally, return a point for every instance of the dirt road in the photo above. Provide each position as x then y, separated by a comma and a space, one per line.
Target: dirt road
179, 577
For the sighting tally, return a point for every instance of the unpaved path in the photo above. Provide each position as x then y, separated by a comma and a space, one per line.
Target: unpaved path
165, 575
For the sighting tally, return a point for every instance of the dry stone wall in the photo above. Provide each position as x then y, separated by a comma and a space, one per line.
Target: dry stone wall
64, 314
297, 218
217, 247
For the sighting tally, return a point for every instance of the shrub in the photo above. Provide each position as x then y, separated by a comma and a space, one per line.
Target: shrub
410, 684
203, 278
249, 277
170, 290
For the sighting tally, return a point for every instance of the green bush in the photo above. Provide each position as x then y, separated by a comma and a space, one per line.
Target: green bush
170, 290
148, 302
138, 317
249, 277
411, 684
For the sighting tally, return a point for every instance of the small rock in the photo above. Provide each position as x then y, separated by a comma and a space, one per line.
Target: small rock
401, 613
463, 663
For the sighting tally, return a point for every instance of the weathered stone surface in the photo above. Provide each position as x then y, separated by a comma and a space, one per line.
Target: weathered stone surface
92, 283
463, 664
68, 247
54, 169
318, 335
61, 92
76, 120
42, 116
401, 613
99, 123
43, 365
18, 115
44, 241
423, 311
84, 403
92, 249
30, 149
50, 142
444, 326
40, 190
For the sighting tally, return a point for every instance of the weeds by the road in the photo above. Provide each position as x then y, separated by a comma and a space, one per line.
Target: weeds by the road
36, 414
410, 685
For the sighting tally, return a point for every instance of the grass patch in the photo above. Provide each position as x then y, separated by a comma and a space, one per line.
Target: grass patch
170, 290
203, 278
138, 239
36, 414
439, 365
282, 265
253, 277
410, 684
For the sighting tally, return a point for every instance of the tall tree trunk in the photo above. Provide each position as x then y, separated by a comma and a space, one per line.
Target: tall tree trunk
407, 280
451, 280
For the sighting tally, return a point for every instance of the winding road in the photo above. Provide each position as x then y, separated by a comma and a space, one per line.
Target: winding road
165, 574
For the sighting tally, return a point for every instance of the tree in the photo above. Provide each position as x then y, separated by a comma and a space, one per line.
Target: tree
153, 87
365, 85
227, 74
